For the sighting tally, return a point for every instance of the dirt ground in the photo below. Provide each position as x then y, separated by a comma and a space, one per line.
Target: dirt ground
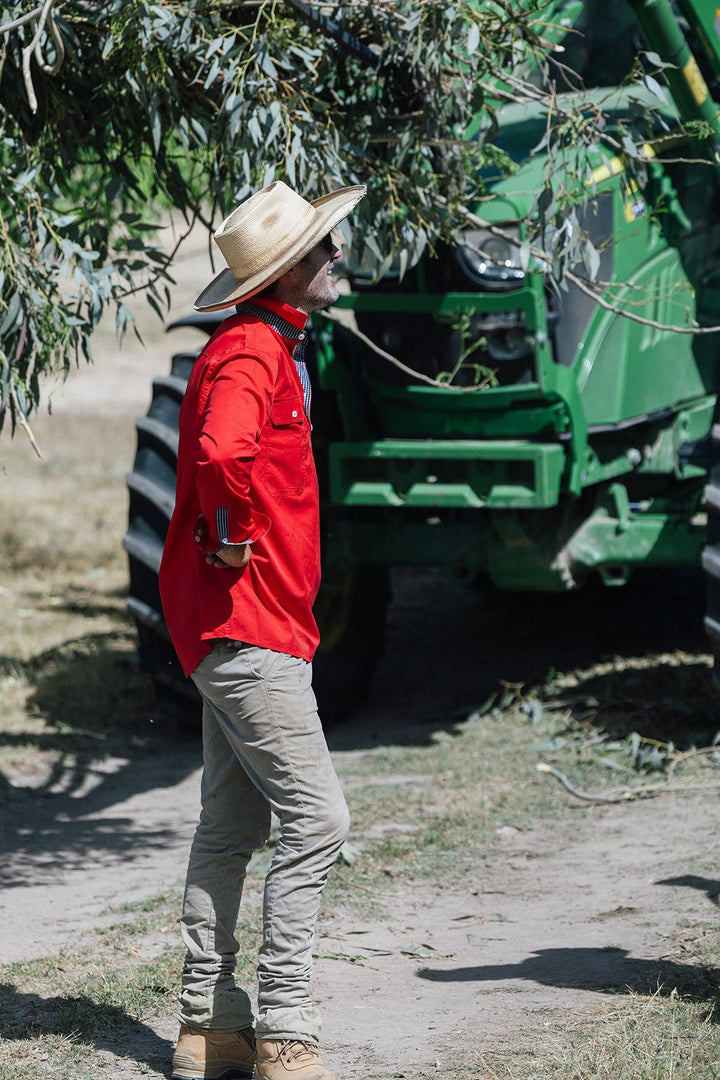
543, 930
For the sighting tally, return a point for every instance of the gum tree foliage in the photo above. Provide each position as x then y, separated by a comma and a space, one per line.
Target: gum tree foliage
113, 111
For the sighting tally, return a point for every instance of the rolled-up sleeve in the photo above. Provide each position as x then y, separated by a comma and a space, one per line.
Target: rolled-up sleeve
237, 405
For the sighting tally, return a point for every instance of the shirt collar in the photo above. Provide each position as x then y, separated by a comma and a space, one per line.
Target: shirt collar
285, 320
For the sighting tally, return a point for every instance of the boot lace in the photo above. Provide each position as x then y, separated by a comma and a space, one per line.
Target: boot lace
296, 1049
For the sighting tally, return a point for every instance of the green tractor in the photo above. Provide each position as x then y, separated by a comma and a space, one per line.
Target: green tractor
530, 436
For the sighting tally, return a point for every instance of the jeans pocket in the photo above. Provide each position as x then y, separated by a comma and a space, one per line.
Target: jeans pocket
262, 662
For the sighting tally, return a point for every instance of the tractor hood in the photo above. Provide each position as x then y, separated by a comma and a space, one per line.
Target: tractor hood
522, 136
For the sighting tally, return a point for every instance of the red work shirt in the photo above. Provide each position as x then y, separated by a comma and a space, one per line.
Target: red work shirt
245, 472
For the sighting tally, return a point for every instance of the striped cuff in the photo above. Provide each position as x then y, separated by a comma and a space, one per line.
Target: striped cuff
222, 528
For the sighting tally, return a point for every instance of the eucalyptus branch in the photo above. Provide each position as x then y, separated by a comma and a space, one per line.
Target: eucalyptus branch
348, 325
238, 87
5, 28
648, 148
23, 422
584, 285
52, 69
34, 49
586, 796
525, 91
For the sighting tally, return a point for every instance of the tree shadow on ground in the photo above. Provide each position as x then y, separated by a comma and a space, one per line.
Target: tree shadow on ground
449, 646
100, 1025
602, 970
670, 702
75, 599
99, 728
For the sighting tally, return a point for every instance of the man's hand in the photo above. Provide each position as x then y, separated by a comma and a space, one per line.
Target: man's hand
230, 556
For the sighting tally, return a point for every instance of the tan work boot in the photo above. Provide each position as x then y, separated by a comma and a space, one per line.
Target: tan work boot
292, 1060
209, 1055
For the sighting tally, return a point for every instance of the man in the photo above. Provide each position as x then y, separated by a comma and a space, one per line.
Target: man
239, 575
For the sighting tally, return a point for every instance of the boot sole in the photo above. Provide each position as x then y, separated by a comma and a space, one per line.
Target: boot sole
232, 1072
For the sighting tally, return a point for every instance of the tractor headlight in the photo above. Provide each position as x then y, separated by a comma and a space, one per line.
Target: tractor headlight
491, 261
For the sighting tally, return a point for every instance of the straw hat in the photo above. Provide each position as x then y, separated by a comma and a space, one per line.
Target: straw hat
267, 235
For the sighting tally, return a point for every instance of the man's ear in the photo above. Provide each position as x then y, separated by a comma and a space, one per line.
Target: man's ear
287, 285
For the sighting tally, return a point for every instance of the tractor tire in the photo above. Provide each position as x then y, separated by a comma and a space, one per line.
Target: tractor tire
711, 557
151, 487
350, 611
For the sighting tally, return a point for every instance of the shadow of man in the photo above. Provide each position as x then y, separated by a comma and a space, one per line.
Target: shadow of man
709, 886
605, 970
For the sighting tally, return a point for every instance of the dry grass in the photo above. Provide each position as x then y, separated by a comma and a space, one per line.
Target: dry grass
644, 1038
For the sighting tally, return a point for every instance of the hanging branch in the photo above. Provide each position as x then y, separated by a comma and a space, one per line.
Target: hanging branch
34, 49
5, 28
43, 14
347, 42
584, 285
427, 379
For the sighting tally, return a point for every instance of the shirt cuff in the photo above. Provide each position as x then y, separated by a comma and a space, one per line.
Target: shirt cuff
211, 540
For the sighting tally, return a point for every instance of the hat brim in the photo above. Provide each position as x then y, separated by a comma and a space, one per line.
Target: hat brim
225, 289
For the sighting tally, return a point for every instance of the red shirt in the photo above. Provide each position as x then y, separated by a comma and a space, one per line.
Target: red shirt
245, 472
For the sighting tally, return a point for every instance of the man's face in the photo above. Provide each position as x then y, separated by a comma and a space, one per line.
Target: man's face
313, 284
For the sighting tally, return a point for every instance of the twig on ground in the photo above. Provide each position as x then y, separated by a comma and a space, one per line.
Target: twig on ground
688, 754
586, 796
647, 791
363, 888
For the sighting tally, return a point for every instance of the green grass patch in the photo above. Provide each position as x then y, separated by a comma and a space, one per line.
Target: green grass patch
434, 802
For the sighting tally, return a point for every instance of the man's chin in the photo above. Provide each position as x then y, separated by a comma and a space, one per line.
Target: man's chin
328, 301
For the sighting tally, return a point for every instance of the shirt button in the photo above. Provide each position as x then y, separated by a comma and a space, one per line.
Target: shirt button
294, 412
303, 335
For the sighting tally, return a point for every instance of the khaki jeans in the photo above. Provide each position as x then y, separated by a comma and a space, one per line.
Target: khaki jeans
263, 750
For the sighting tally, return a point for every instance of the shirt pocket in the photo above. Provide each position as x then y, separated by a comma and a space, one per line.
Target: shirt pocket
285, 448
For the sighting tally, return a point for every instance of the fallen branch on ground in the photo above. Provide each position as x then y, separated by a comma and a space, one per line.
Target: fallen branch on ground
625, 794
